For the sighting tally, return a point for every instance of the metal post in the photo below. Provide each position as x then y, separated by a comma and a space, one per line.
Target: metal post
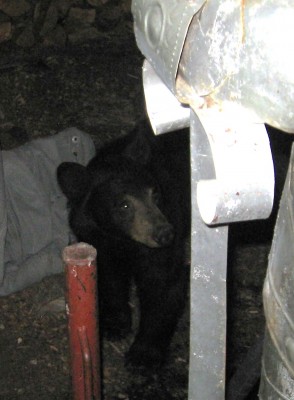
81, 279
208, 284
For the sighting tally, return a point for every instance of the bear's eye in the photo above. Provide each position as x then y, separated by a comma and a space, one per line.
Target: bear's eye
124, 205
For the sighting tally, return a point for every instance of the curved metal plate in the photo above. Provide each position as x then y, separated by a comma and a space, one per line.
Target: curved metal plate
160, 29
243, 187
165, 112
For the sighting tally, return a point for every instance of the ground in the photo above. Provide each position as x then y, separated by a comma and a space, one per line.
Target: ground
96, 86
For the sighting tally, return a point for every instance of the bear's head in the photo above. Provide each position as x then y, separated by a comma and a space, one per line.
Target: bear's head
116, 196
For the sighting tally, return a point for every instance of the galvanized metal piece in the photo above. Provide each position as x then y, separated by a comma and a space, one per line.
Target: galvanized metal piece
208, 284
165, 112
278, 360
238, 51
233, 69
160, 27
243, 187
232, 51
81, 280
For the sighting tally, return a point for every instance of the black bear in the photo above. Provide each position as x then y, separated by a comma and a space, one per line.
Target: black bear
131, 203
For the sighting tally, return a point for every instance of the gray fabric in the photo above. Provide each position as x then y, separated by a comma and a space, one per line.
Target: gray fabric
36, 210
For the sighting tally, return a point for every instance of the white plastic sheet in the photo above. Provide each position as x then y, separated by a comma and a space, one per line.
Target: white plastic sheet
33, 211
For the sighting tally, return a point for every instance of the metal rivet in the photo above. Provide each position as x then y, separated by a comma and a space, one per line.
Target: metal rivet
153, 25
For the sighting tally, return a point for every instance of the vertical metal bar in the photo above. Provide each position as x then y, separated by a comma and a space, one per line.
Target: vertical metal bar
81, 279
208, 284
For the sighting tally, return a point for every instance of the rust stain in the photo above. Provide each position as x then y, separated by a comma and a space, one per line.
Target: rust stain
208, 102
243, 20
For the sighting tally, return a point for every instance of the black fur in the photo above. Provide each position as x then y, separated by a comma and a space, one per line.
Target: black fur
132, 204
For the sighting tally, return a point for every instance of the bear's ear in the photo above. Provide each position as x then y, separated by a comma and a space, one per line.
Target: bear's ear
74, 180
140, 143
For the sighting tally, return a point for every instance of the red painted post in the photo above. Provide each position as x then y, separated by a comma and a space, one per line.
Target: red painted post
81, 280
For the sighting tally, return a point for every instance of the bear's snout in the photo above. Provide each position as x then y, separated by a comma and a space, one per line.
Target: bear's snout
164, 235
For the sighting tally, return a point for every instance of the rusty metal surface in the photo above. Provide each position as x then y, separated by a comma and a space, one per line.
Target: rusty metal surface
82, 303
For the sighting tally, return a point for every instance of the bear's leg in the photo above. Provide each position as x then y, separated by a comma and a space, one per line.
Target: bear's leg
162, 300
114, 309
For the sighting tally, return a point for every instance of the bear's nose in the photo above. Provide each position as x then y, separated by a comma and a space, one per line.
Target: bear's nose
164, 235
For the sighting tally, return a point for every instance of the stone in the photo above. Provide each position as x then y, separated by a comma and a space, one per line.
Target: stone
95, 3
4, 17
83, 16
109, 18
126, 6
37, 12
83, 35
79, 3
50, 20
63, 6
53, 307
57, 37
14, 8
5, 31
26, 38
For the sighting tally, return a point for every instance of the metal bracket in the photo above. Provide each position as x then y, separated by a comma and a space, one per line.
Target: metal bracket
165, 112
242, 187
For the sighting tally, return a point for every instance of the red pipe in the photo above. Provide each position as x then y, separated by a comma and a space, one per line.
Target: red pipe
81, 281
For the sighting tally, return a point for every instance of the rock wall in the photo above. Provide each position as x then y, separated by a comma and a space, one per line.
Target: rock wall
58, 22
